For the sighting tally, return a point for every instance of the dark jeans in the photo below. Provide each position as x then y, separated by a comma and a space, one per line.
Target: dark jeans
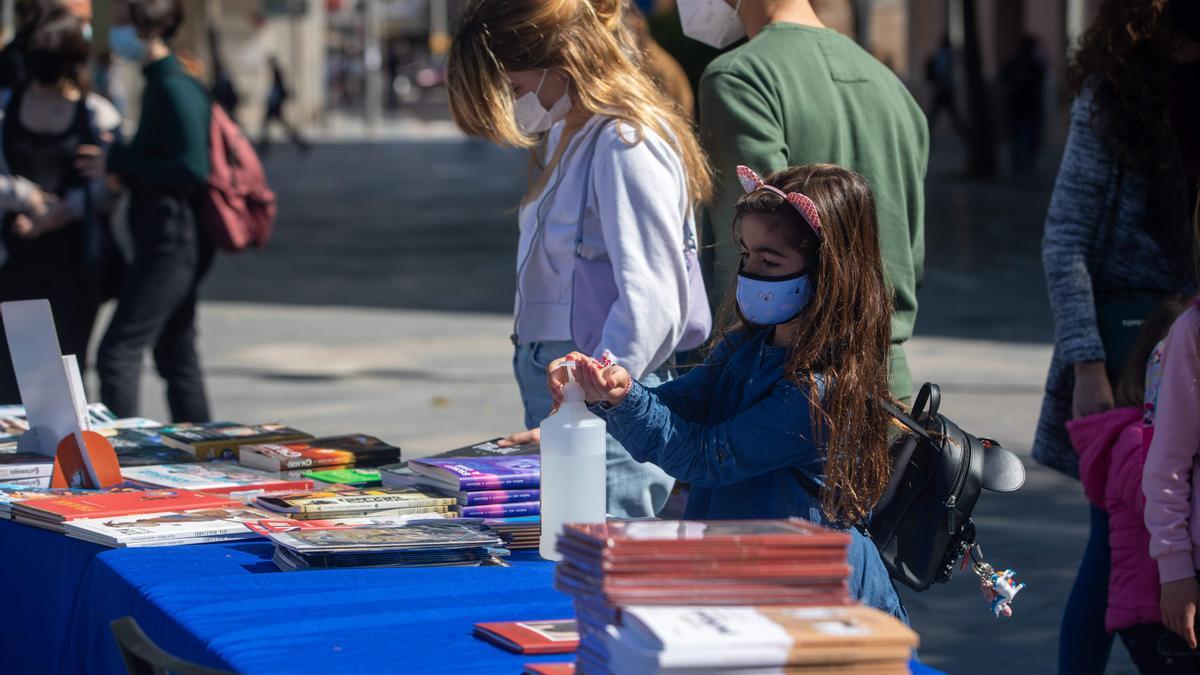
156, 310
1083, 643
1143, 644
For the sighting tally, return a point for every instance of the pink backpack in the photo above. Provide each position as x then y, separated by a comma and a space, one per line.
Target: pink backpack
239, 206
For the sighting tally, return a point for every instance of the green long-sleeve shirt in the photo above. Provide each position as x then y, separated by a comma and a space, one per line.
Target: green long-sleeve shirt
802, 95
169, 153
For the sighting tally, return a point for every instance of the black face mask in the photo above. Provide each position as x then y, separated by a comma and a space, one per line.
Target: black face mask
45, 67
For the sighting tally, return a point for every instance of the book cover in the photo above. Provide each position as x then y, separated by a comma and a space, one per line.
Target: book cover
358, 450
25, 465
275, 524
560, 636
549, 669
689, 535
356, 477
484, 497
222, 440
366, 499
214, 477
400, 475
168, 527
116, 504
446, 534
366, 512
500, 510
481, 473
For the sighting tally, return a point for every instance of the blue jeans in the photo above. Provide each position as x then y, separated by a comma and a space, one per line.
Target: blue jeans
1083, 643
635, 490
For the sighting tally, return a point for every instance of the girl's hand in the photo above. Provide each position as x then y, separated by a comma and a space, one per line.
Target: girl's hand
1093, 394
599, 384
521, 438
1179, 600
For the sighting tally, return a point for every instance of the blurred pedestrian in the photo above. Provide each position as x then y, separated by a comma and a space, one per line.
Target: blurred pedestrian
659, 64
800, 93
27, 14
277, 96
939, 73
57, 240
166, 168
223, 90
106, 81
606, 257
1024, 79
1117, 240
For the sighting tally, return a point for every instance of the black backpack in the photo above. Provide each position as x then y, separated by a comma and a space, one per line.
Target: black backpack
923, 525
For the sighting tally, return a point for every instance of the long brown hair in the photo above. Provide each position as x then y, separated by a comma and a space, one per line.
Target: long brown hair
1127, 53
841, 355
586, 40
1131, 386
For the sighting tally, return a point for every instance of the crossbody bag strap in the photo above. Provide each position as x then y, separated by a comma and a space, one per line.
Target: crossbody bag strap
587, 185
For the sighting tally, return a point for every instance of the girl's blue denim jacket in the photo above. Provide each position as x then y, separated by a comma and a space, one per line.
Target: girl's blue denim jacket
737, 430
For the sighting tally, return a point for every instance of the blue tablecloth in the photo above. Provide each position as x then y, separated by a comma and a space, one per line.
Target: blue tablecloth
227, 606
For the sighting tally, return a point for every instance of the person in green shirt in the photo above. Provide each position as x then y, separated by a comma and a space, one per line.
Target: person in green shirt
800, 93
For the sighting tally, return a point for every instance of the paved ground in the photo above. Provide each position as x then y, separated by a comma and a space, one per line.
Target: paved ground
382, 307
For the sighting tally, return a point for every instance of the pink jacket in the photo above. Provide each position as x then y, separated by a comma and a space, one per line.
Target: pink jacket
1111, 454
1172, 475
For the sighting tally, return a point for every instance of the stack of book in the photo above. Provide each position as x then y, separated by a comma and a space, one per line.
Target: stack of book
714, 640
441, 544
330, 453
401, 475
224, 478
498, 489
52, 513
351, 503
173, 528
10, 493
674, 563
223, 440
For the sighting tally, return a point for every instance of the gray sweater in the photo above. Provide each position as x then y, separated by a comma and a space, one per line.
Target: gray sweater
1109, 230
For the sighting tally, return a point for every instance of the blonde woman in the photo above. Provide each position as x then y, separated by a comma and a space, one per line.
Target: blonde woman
606, 261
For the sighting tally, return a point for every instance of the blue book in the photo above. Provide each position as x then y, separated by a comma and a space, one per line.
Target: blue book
471, 474
485, 497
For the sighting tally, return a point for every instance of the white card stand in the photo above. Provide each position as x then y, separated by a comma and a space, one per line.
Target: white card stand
52, 404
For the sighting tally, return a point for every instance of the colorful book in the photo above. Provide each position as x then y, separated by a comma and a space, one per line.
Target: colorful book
115, 505
500, 510
485, 497
223, 440
136, 446
354, 450
16, 492
481, 473
213, 477
560, 636
18, 465
169, 528
400, 475
271, 525
355, 477
354, 501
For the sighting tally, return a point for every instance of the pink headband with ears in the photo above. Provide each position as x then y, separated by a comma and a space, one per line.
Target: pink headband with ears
808, 210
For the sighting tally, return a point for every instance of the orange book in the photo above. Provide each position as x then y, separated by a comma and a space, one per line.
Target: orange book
112, 505
560, 636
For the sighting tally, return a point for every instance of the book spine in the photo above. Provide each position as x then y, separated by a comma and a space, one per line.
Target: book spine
40, 482
476, 483
376, 506
500, 510
159, 537
485, 497
38, 470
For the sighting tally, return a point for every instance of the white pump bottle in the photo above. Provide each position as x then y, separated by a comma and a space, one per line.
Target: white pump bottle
573, 466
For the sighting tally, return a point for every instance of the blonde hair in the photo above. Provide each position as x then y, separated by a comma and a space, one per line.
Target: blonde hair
584, 39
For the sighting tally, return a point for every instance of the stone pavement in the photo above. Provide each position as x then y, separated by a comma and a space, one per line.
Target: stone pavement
383, 307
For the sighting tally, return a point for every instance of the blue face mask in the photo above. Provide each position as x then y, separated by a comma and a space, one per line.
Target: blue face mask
768, 301
124, 42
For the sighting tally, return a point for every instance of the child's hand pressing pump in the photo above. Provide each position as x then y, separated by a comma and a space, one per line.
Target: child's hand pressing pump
602, 382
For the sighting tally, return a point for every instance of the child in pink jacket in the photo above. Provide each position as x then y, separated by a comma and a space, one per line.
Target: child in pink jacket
1171, 479
1111, 455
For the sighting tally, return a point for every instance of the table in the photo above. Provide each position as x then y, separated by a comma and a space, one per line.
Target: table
228, 606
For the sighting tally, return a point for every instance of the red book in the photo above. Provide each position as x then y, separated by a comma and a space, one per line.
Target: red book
532, 637
549, 669
112, 505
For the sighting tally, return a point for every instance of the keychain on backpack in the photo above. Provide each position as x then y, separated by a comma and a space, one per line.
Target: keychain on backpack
999, 588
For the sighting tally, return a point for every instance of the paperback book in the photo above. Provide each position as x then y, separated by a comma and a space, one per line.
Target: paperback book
222, 440
169, 528
354, 450
481, 473
52, 512
353, 477
500, 510
213, 477
19, 465
485, 497
560, 636
342, 503
401, 475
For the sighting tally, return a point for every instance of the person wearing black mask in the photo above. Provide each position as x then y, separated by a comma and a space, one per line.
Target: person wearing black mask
57, 243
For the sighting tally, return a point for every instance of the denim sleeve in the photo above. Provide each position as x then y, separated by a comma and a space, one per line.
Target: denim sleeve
774, 433
689, 394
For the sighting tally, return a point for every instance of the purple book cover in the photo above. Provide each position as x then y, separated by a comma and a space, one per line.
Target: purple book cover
485, 497
501, 510
482, 473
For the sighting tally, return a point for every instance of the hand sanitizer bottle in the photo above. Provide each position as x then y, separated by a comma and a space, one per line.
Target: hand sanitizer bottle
573, 466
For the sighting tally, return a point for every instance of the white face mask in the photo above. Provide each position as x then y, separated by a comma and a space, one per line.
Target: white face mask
712, 22
532, 117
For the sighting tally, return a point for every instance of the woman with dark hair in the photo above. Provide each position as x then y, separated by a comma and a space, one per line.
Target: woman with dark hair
57, 242
1117, 240
166, 168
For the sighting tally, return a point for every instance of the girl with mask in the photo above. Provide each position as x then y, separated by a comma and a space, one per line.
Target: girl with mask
787, 398
57, 241
165, 168
606, 259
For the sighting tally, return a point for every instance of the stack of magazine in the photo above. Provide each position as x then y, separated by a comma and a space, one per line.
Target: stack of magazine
225, 478
445, 543
351, 503
607, 567
700, 640
197, 526
498, 484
